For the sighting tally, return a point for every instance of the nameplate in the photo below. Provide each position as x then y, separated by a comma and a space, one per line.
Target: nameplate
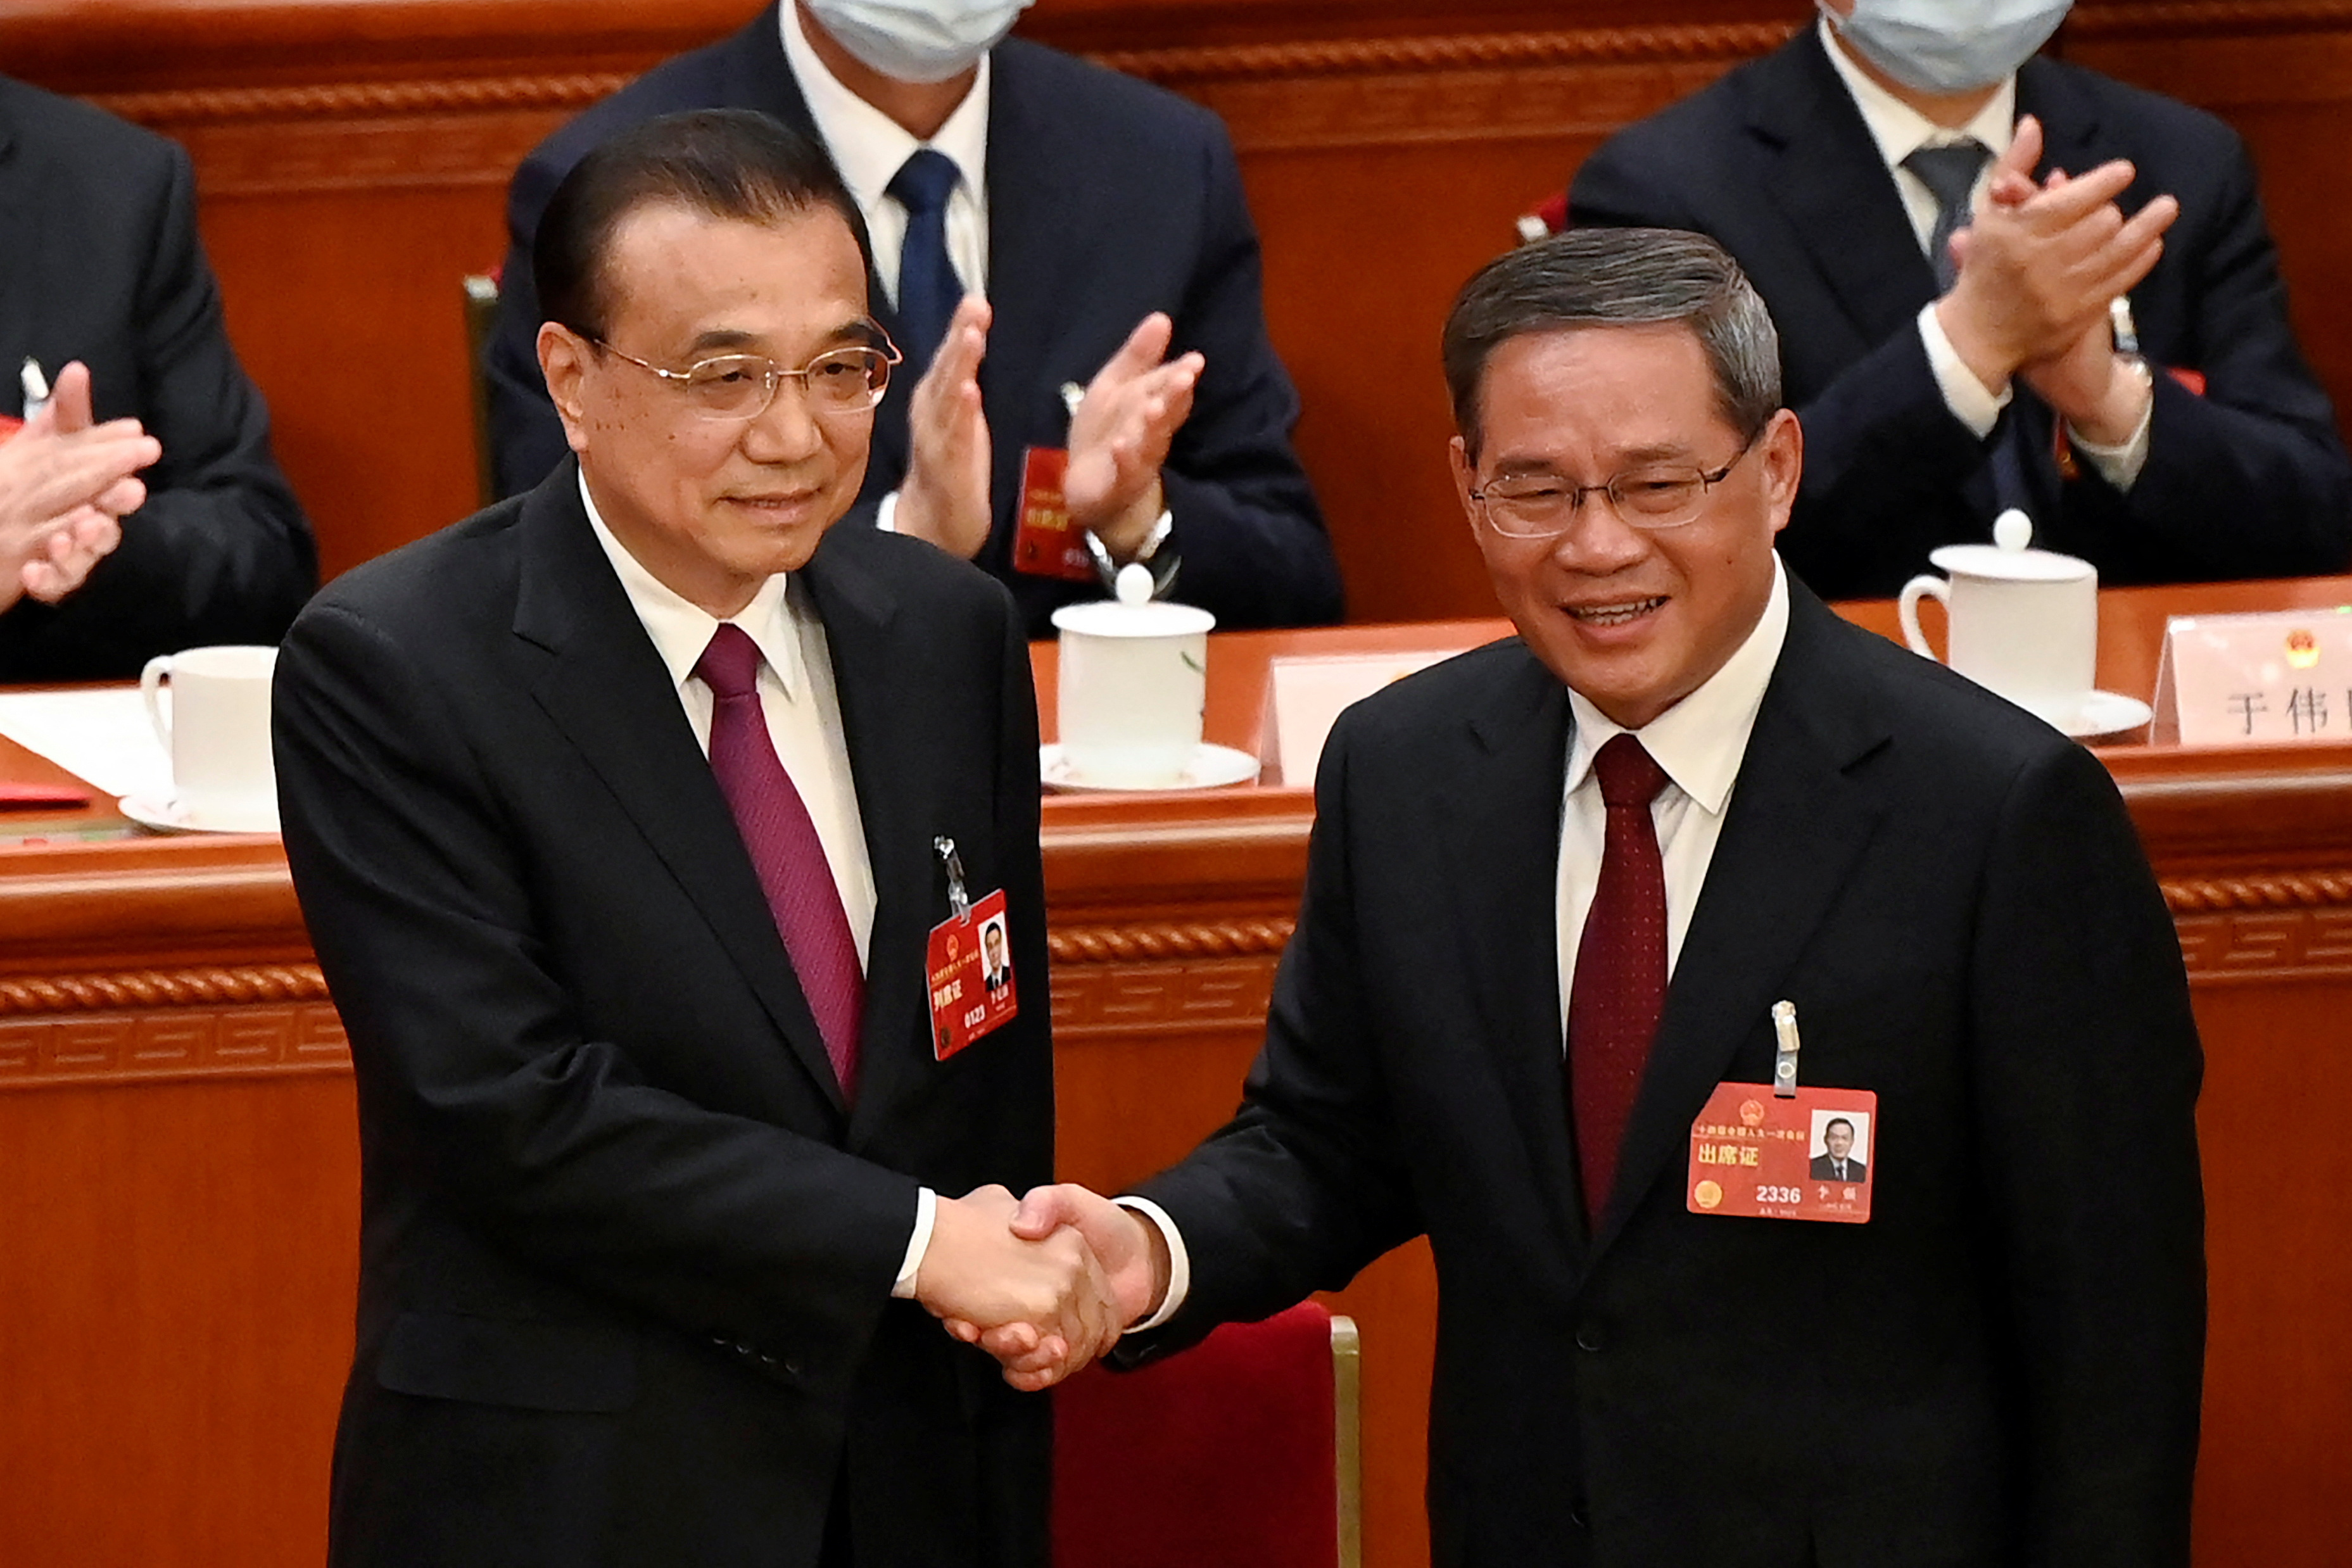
2256, 680
1305, 695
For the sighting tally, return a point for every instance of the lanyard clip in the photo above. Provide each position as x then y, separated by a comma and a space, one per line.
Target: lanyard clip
958, 899
1784, 1068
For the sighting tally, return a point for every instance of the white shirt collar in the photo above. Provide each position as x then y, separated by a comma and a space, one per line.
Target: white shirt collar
1700, 740
868, 145
681, 629
1900, 130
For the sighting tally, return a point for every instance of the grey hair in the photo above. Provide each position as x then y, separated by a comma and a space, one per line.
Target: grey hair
1618, 278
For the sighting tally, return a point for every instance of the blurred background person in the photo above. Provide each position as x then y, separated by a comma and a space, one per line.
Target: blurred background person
1103, 222
1935, 393
99, 264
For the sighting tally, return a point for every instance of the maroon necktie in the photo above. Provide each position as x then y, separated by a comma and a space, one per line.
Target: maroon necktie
1621, 967
786, 850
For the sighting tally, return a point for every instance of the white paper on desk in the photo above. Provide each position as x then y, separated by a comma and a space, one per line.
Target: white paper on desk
1306, 694
101, 737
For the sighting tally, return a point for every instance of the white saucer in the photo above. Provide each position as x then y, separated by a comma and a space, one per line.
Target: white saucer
1212, 767
170, 816
2103, 713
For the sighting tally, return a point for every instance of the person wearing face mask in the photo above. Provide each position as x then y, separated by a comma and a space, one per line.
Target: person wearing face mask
1066, 258
2001, 280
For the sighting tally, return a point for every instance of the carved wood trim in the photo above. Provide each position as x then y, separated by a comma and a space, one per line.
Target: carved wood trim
363, 100
2205, 16
2309, 889
1162, 943
1473, 51
173, 1042
245, 985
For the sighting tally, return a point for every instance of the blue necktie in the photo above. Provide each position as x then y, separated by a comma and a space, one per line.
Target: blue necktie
1951, 175
929, 289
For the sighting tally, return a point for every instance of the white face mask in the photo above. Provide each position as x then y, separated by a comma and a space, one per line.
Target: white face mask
917, 40
1950, 45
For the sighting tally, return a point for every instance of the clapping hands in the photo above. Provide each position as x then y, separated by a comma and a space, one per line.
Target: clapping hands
1044, 1285
65, 482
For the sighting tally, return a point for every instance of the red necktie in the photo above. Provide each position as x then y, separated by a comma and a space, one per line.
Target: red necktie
784, 847
1621, 967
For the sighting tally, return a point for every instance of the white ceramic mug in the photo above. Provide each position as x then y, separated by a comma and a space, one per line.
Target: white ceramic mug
1132, 687
2023, 623
217, 734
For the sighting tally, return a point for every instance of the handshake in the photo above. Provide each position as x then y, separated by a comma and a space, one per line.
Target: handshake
1045, 1284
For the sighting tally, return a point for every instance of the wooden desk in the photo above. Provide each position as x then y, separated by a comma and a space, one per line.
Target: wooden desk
178, 1174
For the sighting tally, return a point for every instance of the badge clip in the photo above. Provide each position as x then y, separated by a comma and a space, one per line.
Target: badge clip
1784, 1068
958, 899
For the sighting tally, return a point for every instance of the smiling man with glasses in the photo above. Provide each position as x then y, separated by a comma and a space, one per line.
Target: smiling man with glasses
1557, 888
614, 811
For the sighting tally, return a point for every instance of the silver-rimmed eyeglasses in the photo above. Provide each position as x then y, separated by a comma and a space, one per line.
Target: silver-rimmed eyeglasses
741, 386
1544, 506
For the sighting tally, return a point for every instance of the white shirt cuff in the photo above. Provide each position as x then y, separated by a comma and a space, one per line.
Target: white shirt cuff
2119, 465
1180, 1262
886, 515
927, 1212
1964, 394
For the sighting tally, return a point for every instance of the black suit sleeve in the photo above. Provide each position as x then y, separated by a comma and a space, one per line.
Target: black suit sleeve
2248, 479
220, 553
474, 1070
1247, 522
2085, 1092
1305, 1185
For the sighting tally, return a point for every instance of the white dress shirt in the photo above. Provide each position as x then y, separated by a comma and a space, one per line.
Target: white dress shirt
1700, 742
1900, 131
870, 148
803, 712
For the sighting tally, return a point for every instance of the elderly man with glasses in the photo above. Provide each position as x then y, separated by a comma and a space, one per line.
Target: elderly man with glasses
1561, 888
622, 816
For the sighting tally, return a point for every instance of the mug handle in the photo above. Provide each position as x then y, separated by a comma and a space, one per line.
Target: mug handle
150, 681
1906, 610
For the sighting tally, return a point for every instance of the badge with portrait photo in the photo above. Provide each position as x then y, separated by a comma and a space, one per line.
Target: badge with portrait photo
1805, 1155
970, 965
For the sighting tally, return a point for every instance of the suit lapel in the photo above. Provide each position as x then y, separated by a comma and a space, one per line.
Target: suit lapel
609, 692
1799, 821
1501, 812
1842, 207
880, 716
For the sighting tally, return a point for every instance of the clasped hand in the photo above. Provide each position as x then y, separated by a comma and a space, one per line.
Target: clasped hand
1044, 1285
65, 484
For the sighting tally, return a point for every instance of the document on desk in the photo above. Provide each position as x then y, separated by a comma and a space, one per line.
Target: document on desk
101, 737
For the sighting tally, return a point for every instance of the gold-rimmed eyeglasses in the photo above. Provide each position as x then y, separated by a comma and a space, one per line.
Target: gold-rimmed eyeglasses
1544, 506
841, 380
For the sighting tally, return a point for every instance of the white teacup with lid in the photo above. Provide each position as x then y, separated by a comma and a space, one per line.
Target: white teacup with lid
2020, 622
1132, 685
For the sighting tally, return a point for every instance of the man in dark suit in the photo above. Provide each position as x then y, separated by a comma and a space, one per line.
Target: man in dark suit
1685, 791
612, 811
1832, 1164
2197, 446
1104, 221
100, 266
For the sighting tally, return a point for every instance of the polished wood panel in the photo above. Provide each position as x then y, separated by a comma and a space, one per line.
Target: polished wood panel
178, 1171
353, 154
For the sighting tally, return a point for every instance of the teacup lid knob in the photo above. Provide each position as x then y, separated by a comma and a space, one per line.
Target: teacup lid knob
2012, 530
1133, 586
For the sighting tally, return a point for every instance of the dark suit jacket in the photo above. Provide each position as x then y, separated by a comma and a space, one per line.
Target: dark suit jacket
1774, 163
1953, 897
99, 262
627, 1258
1824, 1169
1108, 199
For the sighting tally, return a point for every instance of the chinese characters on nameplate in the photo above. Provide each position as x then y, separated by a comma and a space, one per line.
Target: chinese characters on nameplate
2254, 680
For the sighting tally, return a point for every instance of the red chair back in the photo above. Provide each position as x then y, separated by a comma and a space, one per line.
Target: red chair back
1226, 1456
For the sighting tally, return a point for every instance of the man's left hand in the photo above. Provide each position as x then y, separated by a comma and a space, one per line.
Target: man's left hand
66, 558
1120, 433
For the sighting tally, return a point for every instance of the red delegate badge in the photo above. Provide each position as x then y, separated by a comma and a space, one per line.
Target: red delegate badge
970, 965
1802, 1156
1047, 544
